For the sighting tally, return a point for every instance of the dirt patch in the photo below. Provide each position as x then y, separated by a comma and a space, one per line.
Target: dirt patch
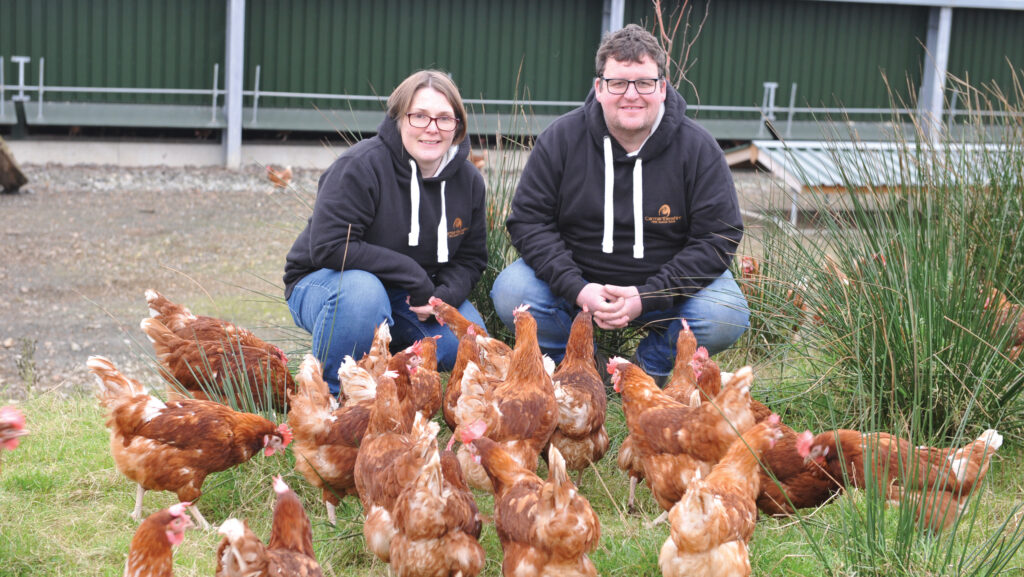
82, 245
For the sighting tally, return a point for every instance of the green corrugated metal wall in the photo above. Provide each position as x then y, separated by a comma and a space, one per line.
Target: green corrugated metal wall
116, 43
984, 46
835, 52
358, 47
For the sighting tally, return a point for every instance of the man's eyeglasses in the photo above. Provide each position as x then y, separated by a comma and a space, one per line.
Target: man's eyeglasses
445, 123
621, 85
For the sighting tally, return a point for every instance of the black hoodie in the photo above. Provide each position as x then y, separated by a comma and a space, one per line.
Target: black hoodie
368, 187
691, 223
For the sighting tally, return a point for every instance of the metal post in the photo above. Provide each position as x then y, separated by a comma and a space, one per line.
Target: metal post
42, 65
256, 96
767, 105
792, 111
234, 71
213, 105
614, 15
2, 105
952, 110
933, 84
22, 61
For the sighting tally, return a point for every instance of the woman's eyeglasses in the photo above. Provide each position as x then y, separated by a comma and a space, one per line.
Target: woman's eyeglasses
445, 123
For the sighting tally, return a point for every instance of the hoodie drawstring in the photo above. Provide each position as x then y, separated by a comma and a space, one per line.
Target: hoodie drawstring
638, 209
442, 231
609, 188
414, 198
414, 226
609, 203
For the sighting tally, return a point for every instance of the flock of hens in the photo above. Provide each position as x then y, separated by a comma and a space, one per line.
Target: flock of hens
711, 455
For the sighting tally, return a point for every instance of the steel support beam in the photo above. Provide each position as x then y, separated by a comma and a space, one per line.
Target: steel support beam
233, 74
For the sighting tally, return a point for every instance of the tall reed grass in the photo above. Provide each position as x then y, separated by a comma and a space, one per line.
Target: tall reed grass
894, 333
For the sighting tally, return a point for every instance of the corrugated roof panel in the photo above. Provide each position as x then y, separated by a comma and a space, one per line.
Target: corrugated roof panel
879, 164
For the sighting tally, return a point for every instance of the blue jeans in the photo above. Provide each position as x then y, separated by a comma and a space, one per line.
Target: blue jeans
717, 315
342, 311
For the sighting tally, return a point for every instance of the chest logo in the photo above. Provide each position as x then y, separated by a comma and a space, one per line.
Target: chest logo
664, 216
457, 228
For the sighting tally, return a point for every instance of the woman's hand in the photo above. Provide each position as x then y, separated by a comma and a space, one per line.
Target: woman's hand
423, 312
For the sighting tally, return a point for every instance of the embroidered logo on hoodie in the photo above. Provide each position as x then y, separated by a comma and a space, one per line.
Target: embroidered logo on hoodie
664, 216
457, 228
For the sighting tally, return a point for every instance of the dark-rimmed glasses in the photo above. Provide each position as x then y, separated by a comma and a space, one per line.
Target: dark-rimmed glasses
420, 120
621, 85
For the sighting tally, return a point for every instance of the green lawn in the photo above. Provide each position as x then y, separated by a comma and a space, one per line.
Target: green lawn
64, 510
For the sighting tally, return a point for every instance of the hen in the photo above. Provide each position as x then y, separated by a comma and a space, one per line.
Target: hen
437, 524
579, 390
281, 178
221, 370
327, 437
288, 552
677, 442
291, 529
467, 352
750, 278
519, 413
391, 455
151, 553
709, 383
182, 322
479, 159
425, 382
713, 522
896, 469
495, 355
12, 427
173, 446
680, 387
1010, 317
242, 554
545, 527
375, 361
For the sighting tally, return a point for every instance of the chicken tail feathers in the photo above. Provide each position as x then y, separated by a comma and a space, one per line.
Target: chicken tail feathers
114, 385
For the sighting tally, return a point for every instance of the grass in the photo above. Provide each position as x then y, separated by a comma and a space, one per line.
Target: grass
66, 512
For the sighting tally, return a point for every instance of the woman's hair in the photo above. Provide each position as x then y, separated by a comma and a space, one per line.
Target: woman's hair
401, 99
631, 44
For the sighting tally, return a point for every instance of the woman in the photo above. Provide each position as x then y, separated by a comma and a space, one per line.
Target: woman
398, 218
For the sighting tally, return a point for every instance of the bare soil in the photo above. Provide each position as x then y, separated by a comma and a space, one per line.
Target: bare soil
80, 245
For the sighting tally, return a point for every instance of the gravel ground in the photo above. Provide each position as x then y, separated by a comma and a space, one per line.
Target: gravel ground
80, 248
82, 244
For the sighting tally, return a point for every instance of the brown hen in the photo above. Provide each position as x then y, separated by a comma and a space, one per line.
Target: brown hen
545, 527
519, 413
437, 524
676, 442
151, 553
580, 436
173, 446
327, 436
232, 373
713, 522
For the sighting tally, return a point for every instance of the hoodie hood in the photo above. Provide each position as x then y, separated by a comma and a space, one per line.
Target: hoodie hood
407, 170
669, 119
392, 138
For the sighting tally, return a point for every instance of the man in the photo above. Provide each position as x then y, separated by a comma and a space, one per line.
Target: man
627, 207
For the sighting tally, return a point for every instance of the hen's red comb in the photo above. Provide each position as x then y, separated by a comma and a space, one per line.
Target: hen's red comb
286, 433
